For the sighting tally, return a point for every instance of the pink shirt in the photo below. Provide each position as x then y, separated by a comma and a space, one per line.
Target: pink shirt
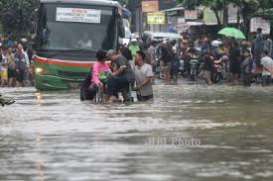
99, 68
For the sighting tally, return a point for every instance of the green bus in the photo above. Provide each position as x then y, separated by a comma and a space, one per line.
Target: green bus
69, 32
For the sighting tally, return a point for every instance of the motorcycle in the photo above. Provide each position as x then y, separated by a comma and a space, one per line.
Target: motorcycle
98, 94
193, 69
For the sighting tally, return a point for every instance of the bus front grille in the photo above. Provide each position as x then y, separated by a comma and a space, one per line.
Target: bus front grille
70, 74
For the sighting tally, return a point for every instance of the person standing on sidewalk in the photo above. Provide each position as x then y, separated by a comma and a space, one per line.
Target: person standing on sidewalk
247, 66
235, 62
22, 65
4, 67
11, 68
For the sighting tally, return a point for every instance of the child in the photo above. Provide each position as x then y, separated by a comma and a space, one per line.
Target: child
4, 68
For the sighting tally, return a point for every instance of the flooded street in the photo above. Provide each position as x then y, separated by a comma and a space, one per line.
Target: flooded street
188, 133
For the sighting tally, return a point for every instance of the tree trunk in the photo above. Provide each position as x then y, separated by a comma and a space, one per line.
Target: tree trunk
225, 14
246, 21
217, 16
238, 18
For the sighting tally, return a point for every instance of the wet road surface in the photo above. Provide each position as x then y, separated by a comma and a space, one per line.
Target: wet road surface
188, 133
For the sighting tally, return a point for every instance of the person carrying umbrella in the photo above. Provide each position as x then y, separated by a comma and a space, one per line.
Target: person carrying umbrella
232, 33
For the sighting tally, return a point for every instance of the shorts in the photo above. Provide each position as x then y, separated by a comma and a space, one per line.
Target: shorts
4, 74
20, 75
11, 73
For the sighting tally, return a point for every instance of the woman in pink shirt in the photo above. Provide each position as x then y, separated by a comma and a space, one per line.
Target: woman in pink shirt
99, 68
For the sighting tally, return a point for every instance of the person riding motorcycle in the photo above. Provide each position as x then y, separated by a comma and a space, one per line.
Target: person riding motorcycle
194, 64
99, 74
121, 78
100, 70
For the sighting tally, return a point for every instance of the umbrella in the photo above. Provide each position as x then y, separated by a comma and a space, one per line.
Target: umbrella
232, 32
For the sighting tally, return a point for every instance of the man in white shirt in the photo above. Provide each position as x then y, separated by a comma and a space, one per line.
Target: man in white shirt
144, 78
267, 64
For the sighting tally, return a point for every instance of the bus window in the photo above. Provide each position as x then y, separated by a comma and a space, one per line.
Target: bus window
61, 31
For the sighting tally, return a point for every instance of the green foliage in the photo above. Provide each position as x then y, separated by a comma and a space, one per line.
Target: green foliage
190, 4
16, 15
248, 8
123, 2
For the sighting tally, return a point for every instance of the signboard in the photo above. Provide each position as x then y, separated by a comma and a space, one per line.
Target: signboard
258, 22
78, 15
150, 6
233, 13
157, 18
210, 17
191, 14
182, 25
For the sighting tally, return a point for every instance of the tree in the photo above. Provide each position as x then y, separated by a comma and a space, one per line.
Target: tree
190, 4
123, 2
16, 16
247, 8
215, 5
266, 4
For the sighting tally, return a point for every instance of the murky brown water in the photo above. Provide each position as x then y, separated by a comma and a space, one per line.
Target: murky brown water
188, 133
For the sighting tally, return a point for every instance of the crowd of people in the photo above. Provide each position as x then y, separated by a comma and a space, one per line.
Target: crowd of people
215, 61
194, 58
16, 66
121, 76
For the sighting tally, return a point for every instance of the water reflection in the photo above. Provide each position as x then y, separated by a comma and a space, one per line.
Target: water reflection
54, 136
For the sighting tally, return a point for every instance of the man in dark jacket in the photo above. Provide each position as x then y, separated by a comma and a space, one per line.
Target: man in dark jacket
166, 57
122, 76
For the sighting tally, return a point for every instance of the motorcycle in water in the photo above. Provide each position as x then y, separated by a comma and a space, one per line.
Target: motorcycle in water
91, 91
181, 68
175, 66
98, 94
218, 72
193, 69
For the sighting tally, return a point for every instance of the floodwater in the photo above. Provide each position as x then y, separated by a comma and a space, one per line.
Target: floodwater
188, 133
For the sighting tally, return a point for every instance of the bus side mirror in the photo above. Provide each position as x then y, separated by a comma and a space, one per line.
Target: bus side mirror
45, 35
121, 28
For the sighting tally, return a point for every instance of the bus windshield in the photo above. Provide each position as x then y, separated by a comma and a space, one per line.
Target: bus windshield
70, 27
